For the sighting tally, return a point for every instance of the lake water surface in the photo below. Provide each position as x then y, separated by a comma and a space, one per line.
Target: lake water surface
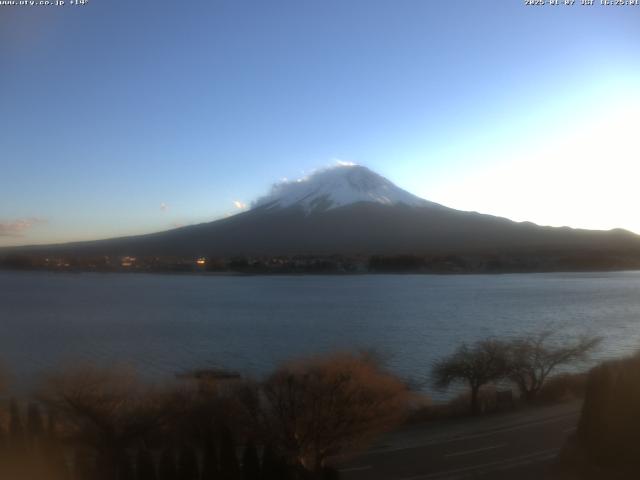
163, 324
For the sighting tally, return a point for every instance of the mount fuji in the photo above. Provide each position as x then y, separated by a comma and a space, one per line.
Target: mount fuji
337, 187
352, 211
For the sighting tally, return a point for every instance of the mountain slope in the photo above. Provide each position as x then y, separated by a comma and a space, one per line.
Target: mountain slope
353, 211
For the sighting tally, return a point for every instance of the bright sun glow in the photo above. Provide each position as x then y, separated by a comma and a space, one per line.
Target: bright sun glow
583, 175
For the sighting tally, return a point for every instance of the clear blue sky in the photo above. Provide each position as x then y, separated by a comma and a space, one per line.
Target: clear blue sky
125, 116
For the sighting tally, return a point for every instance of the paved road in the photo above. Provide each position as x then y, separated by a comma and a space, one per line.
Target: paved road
518, 445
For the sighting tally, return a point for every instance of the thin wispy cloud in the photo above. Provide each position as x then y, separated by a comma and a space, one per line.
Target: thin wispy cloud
240, 205
164, 207
18, 227
343, 163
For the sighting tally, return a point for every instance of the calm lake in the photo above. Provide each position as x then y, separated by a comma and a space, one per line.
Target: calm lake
163, 324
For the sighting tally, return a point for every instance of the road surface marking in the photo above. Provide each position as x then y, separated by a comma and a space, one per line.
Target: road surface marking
490, 466
356, 469
473, 436
510, 428
477, 450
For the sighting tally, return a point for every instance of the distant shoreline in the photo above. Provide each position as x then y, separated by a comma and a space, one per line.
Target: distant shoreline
314, 274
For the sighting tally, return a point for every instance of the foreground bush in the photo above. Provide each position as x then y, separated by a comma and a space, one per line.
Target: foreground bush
104, 424
330, 406
563, 387
607, 442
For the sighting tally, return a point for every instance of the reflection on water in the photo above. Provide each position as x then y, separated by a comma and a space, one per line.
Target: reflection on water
167, 323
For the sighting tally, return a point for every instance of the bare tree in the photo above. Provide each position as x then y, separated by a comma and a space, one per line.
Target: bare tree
104, 410
328, 406
532, 359
477, 365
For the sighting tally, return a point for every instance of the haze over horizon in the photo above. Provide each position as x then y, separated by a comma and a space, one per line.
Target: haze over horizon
192, 111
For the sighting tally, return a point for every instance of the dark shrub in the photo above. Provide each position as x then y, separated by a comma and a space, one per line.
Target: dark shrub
609, 428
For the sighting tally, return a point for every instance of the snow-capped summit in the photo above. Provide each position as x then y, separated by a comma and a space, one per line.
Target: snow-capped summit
337, 186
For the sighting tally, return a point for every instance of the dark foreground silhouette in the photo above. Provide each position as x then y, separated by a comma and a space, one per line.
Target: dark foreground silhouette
607, 441
303, 419
93, 424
